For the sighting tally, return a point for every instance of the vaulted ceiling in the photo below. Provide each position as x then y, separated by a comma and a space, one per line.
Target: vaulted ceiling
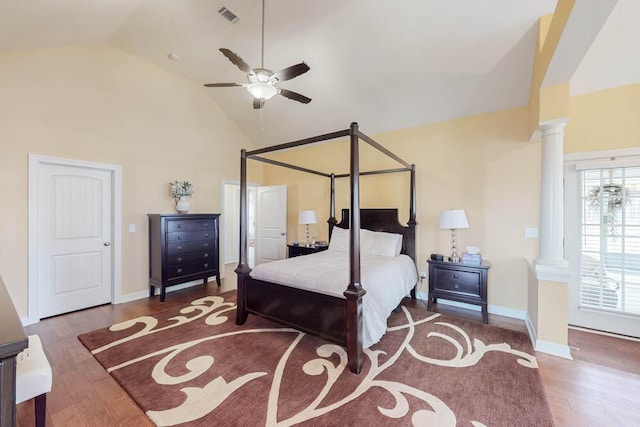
387, 65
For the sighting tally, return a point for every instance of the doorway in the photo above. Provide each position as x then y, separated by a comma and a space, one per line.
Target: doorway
231, 223
602, 242
74, 239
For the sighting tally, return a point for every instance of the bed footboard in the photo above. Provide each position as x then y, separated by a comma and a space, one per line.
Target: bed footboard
318, 314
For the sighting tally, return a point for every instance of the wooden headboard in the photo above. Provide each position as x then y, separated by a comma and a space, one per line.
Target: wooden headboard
383, 220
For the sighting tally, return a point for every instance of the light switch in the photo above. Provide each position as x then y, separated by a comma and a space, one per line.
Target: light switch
132, 228
531, 232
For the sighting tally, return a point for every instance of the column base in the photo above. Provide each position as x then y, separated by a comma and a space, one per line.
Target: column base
555, 270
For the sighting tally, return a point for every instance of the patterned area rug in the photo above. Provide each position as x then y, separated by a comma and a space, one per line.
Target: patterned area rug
194, 366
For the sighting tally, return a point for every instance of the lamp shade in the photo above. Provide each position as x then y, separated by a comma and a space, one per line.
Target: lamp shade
307, 217
453, 219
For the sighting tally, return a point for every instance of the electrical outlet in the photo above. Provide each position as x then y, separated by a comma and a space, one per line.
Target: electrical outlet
423, 274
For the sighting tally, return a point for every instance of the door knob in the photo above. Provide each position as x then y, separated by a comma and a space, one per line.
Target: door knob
283, 234
107, 243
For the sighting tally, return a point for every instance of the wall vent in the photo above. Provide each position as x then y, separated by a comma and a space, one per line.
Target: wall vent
228, 16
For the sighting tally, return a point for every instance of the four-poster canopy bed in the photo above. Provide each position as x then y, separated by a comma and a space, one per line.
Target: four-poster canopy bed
336, 318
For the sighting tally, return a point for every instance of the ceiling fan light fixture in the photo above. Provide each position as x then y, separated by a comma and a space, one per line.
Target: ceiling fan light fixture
262, 90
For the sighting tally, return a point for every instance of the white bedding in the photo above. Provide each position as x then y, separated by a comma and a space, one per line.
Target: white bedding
386, 279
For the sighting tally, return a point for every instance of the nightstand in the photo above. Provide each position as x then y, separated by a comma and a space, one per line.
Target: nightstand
304, 250
459, 282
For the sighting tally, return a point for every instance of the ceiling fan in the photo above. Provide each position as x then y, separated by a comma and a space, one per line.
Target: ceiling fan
263, 83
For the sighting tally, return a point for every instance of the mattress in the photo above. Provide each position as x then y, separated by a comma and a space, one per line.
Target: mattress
386, 279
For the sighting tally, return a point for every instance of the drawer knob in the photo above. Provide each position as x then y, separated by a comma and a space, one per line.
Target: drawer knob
206, 264
179, 248
206, 224
455, 276
179, 259
179, 225
206, 235
206, 245
179, 237
456, 286
179, 270
206, 255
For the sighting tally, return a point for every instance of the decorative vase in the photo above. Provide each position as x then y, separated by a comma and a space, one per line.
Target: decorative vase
183, 205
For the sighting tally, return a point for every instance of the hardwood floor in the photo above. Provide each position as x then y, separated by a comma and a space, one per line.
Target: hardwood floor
600, 387
83, 393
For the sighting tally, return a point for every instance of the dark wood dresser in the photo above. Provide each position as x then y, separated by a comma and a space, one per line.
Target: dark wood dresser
458, 282
182, 248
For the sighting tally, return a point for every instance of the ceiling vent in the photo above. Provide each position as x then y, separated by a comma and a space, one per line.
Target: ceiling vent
228, 16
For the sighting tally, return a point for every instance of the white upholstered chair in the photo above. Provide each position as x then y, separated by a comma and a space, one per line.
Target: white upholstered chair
34, 377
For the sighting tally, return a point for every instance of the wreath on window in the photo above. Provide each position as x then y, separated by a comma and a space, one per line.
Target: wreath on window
612, 197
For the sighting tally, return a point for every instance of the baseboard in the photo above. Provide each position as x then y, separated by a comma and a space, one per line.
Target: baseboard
548, 347
26, 321
145, 294
607, 334
533, 334
492, 309
507, 312
554, 349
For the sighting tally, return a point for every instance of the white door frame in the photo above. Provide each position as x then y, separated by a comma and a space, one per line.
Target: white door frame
586, 317
222, 221
35, 161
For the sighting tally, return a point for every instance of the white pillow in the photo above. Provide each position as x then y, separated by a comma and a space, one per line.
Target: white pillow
371, 242
339, 240
381, 243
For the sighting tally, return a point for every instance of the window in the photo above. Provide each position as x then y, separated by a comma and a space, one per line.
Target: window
610, 228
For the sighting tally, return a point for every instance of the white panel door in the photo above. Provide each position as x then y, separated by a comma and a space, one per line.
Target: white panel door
271, 223
74, 238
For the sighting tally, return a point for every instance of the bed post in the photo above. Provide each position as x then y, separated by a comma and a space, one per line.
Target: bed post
354, 292
332, 205
243, 269
411, 249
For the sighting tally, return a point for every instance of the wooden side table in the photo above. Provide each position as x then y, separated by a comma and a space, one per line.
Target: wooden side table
297, 250
459, 282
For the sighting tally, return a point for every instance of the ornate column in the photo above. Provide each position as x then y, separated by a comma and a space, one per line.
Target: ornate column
548, 304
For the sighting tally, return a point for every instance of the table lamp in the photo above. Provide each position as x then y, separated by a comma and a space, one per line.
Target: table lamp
306, 218
453, 220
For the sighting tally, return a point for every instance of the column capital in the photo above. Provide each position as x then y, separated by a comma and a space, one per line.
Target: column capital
552, 127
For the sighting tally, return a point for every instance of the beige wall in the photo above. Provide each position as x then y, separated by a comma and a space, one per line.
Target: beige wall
100, 104
602, 120
552, 311
482, 164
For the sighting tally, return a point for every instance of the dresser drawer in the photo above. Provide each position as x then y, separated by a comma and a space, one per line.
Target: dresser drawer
181, 248
185, 258
186, 269
190, 236
458, 281
190, 225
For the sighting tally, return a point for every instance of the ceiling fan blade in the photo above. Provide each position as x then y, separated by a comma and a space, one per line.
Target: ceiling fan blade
222, 84
291, 72
239, 62
258, 103
295, 96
